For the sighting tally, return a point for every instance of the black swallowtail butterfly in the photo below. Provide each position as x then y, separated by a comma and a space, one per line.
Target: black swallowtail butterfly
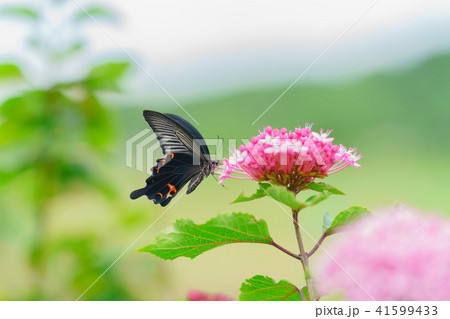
186, 158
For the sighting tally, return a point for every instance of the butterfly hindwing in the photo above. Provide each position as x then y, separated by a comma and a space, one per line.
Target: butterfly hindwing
169, 175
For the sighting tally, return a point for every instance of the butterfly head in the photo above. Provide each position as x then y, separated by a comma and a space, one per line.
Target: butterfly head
213, 165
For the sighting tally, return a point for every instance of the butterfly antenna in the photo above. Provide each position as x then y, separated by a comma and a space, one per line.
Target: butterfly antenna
220, 138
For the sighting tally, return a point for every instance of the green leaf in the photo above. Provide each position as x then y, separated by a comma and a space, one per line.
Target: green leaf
10, 72
21, 12
106, 76
321, 187
94, 12
346, 217
263, 288
316, 199
284, 196
71, 50
259, 194
326, 221
190, 240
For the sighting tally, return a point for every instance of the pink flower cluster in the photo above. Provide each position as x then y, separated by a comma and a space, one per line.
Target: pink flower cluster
292, 159
399, 255
194, 295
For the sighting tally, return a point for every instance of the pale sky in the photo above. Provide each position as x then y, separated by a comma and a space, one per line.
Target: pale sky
174, 30
190, 44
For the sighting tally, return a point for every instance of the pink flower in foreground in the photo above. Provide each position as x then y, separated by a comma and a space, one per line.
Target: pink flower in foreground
194, 295
400, 255
292, 159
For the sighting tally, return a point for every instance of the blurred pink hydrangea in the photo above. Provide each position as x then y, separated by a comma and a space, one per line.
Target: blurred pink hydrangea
398, 255
194, 295
293, 159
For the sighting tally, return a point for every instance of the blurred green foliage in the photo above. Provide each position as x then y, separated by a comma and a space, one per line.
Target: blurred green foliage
56, 140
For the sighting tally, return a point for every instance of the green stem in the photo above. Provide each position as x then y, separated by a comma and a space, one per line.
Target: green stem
319, 242
325, 235
303, 256
285, 250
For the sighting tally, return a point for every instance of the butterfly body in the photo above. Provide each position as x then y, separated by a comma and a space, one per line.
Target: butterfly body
186, 159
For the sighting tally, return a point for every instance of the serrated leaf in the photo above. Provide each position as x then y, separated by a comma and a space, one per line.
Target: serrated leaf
95, 12
190, 240
10, 72
316, 199
22, 12
326, 221
259, 194
264, 288
321, 187
346, 217
284, 196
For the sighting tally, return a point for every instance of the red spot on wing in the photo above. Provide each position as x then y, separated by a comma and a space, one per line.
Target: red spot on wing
171, 189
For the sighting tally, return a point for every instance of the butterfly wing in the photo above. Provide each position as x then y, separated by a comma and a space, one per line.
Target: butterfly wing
195, 181
176, 135
181, 144
169, 175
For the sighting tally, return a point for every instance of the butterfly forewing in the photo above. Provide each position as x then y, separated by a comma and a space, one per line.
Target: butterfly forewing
175, 135
164, 129
198, 138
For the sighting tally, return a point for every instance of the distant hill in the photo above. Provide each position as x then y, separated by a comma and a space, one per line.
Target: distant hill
403, 109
